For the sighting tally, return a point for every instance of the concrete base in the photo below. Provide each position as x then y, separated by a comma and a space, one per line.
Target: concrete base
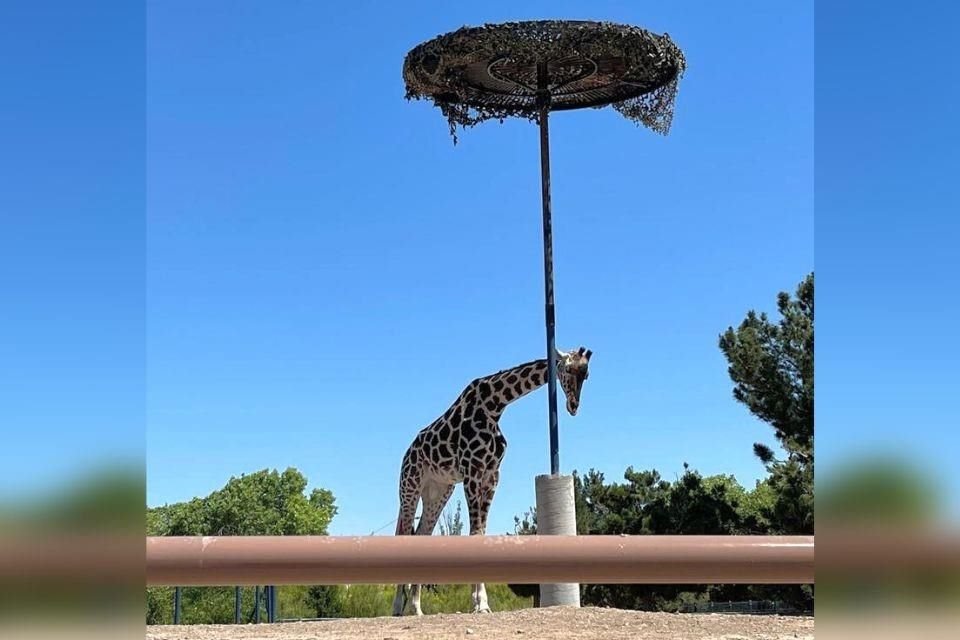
556, 515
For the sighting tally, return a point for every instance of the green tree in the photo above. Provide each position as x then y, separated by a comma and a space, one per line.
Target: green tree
325, 601
771, 366
526, 526
261, 503
266, 502
451, 524
695, 505
756, 507
645, 504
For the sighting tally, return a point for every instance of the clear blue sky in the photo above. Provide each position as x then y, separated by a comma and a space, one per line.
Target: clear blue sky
887, 238
326, 270
72, 238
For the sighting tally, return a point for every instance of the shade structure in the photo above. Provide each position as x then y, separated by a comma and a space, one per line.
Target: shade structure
527, 69
506, 70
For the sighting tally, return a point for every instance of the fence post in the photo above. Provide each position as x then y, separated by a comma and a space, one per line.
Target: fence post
256, 606
236, 605
176, 605
273, 603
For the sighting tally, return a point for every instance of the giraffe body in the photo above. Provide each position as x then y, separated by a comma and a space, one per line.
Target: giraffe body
466, 445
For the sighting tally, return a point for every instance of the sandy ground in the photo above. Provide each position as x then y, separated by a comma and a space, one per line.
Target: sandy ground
541, 624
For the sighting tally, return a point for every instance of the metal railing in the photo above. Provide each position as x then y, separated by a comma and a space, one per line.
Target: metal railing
255, 560
265, 599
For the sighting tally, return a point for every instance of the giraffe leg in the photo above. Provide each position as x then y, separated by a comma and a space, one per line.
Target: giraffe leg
435, 497
479, 493
409, 497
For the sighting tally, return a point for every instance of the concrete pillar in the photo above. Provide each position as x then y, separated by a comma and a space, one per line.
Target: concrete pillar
556, 515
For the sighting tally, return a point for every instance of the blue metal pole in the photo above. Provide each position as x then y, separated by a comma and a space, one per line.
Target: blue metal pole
236, 605
543, 102
273, 603
176, 605
256, 607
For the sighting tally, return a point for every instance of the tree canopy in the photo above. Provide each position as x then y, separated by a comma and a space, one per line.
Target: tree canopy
771, 366
261, 503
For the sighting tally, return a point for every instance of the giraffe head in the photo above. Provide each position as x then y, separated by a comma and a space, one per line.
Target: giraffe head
572, 370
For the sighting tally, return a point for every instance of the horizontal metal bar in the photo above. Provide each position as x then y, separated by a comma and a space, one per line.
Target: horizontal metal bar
240, 560
876, 549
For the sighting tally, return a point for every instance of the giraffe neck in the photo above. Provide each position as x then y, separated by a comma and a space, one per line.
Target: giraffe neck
510, 385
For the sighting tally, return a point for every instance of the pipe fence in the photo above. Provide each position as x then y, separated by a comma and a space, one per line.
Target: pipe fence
277, 560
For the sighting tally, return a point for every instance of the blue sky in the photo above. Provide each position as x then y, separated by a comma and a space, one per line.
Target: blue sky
72, 240
326, 270
887, 234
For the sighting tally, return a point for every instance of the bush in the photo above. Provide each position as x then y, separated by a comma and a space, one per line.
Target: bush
367, 601
159, 605
326, 601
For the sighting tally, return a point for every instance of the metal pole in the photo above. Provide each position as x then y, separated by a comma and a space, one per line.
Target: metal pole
236, 605
176, 605
543, 102
541, 559
256, 605
273, 603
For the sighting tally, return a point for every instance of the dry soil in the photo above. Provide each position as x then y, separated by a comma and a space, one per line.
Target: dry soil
551, 623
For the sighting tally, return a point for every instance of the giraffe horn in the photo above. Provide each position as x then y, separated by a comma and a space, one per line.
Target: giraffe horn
587, 354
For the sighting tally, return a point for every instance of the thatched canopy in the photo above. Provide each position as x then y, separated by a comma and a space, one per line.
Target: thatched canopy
514, 69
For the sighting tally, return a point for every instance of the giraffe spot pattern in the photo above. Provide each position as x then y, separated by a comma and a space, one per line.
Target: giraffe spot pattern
464, 445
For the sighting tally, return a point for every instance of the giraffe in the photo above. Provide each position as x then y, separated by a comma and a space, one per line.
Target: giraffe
465, 445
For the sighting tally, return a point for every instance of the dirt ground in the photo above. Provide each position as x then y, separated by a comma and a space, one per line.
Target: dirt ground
551, 623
